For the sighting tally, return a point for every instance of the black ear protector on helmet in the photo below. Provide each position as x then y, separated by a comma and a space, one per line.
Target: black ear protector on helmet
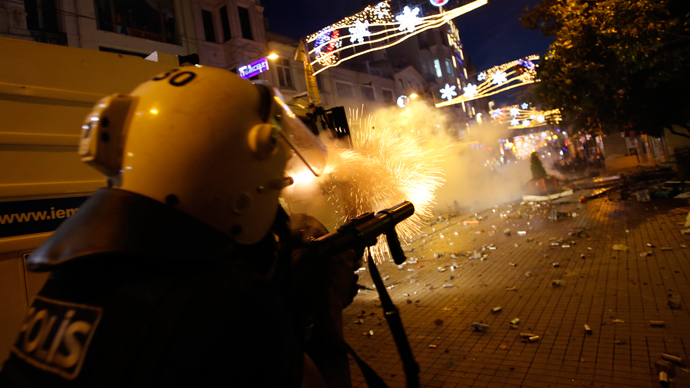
263, 138
266, 97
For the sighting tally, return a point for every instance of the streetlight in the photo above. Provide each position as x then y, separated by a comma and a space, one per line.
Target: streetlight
273, 56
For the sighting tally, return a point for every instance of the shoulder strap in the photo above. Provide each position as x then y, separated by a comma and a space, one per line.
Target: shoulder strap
370, 376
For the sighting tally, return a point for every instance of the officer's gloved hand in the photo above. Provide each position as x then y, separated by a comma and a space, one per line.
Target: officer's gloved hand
334, 273
320, 292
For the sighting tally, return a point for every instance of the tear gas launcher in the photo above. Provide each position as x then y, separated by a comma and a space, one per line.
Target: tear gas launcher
360, 233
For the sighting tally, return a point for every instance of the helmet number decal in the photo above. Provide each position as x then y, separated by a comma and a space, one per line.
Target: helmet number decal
179, 79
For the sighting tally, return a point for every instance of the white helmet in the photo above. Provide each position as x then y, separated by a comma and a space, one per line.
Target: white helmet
205, 141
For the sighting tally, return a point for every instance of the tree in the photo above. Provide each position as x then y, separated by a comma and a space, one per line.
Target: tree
536, 166
615, 65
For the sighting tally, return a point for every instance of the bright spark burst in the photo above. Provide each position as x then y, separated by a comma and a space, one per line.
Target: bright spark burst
384, 166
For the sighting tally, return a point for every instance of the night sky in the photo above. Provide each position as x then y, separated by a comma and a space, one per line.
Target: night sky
491, 35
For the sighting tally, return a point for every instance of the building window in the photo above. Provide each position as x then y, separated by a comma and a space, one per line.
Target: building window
225, 22
437, 66
344, 89
284, 73
449, 67
209, 32
244, 23
368, 93
41, 15
152, 20
402, 87
387, 95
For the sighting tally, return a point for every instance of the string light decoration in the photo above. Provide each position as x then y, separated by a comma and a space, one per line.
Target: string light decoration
522, 116
375, 28
523, 146
498, 79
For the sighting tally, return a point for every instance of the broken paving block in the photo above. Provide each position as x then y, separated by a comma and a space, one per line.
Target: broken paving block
588, 330
672, 358
478, 326
657, 323
674, 301
619, 247
556, 283
496, 309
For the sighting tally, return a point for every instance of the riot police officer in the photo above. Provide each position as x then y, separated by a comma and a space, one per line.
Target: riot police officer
167, 277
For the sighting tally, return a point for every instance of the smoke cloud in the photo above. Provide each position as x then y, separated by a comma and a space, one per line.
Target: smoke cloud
395, 151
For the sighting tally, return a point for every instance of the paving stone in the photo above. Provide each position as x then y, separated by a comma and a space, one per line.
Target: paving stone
606, 285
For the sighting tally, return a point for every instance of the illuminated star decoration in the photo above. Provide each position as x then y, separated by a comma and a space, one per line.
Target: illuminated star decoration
525, 123
481, 76
499, 78
408, 19
448, 92
359, 31
381, 10
514, 122
514, 112
524, 105
470, 90
540, 119
496, 113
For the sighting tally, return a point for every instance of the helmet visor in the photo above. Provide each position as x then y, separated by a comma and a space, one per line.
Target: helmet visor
306, 145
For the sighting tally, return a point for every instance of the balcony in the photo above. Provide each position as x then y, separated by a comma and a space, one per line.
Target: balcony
58, 38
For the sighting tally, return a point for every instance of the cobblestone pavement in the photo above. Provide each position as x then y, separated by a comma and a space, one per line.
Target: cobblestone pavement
616, 293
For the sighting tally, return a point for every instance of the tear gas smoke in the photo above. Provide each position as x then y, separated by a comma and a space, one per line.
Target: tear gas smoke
413, 154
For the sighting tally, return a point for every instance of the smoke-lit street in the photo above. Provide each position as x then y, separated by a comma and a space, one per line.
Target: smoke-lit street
555, 277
